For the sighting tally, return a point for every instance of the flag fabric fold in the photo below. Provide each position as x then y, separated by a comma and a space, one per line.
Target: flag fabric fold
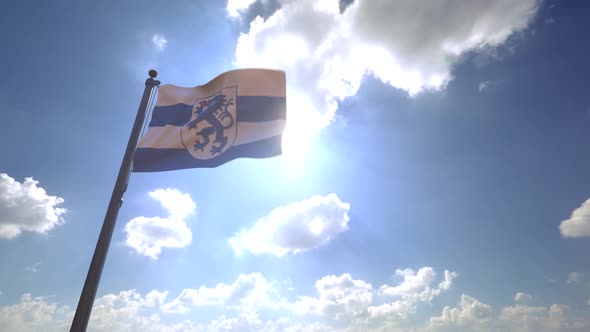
239, 114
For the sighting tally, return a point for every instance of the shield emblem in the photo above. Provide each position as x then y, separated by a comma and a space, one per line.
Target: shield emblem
212, 128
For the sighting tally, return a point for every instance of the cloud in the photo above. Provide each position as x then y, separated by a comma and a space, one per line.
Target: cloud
522, 312
574, 277
179, 205
484, 85
127, 311
340, 297
356, 303
522, 297
296, 227
415, 287
252, 303
148, 235
130, 311
155, 298
160, 42
234, 7
529, 318
470, 313
27, 207
33, 314
242, 322
356, 306
578, 224
33, 268
410, 45
473, 315
248, 290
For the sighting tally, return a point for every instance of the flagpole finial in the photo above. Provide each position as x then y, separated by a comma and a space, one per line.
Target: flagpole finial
153, 73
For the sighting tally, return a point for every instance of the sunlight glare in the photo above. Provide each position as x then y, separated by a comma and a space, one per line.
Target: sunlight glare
316, 226
303, 125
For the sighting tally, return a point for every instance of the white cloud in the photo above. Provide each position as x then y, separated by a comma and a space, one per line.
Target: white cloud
179, 205
410, 45
126, 311
33, 314
574, 277
578, 224
340, 297
415, 287
354, 302
252, 303
522, 297
484, 85
242, 322
27, 207
155, 298
473, 315
148, 235
520, 312
247, 291
470, 313
130, 311
33, 268
234, 7
529, 318
418, 285
296, 227
287, 325
160, 42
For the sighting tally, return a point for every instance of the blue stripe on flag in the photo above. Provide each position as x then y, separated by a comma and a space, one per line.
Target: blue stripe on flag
250, 109
158, 160
176, 115
259, 109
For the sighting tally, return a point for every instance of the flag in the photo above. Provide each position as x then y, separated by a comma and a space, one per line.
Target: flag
239, 114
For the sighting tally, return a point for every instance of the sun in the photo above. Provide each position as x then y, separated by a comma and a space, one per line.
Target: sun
303, 125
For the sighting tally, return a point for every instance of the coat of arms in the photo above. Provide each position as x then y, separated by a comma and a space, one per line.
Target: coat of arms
212, 128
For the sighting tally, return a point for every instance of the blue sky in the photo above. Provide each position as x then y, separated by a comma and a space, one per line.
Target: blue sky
441, 147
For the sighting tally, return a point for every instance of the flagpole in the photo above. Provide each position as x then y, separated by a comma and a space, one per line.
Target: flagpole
86, 301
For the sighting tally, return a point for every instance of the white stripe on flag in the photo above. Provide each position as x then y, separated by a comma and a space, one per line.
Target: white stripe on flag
250, 82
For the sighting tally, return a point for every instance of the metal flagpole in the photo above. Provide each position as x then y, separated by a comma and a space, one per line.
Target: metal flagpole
86, 301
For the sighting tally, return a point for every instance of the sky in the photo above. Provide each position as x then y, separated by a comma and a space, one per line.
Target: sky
434, 174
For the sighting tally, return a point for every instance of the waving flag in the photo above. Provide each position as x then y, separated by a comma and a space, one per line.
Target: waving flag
239, 114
